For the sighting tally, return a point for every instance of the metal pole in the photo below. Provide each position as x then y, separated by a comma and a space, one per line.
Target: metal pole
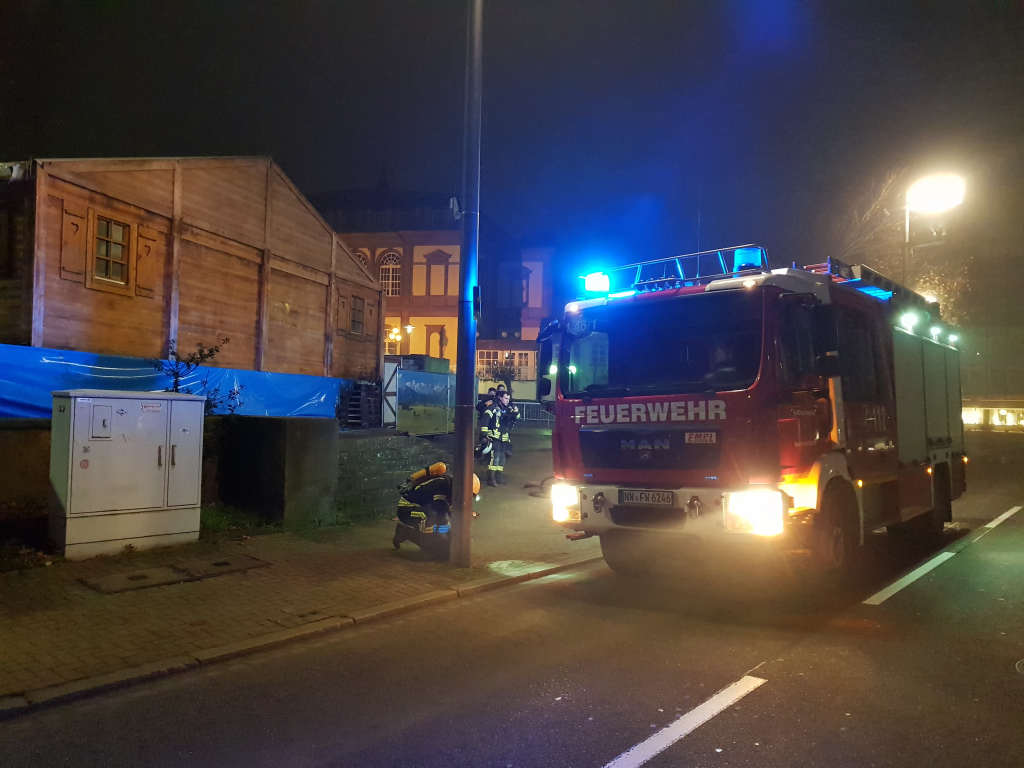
906, 244
465, 394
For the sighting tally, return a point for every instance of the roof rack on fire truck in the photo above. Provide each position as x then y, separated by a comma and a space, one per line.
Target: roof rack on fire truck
872, 283
688, 269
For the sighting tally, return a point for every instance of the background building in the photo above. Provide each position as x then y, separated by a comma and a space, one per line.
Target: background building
413, 243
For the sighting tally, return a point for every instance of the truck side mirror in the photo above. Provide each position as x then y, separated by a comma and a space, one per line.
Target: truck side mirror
826, 341
544, 355
549, 333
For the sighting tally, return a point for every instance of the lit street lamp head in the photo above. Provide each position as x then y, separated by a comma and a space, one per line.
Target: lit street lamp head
935, 194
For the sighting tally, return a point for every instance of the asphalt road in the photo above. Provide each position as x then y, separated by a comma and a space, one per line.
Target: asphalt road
579, 668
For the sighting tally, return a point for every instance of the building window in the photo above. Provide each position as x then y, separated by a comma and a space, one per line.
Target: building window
486, 359
524, 366
358, 306
391, 273
111, 258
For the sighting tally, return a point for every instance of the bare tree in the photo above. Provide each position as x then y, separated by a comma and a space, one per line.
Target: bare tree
871, 231
504, 372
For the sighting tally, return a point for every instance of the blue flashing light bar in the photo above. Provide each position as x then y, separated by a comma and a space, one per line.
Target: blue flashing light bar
621, 294
876, 293
747, 258
870, 290
596, 282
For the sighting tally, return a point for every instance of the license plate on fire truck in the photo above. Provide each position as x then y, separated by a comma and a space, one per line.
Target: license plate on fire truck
632, 497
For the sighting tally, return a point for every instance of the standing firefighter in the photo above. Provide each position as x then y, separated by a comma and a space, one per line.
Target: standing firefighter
498, 420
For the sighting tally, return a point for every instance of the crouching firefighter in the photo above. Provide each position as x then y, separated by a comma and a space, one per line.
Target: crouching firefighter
424, 509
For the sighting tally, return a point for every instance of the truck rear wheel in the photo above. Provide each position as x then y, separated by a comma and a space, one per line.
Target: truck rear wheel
625, 553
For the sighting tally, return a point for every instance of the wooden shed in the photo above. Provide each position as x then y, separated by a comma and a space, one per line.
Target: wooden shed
134, 256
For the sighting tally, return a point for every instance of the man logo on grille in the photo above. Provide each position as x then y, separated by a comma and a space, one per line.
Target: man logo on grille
657, 444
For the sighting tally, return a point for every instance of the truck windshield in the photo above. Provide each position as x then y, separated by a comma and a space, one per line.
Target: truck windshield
700, 343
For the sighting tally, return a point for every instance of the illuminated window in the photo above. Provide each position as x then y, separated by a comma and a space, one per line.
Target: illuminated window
111, 257
524, 366
391, 274
972, 416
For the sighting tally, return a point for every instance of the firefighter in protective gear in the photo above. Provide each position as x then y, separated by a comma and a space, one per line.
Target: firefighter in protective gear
496, 427
424, 508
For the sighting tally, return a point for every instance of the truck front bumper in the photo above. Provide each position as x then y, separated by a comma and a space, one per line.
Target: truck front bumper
740, 516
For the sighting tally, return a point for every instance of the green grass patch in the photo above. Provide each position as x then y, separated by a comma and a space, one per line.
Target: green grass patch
222, 518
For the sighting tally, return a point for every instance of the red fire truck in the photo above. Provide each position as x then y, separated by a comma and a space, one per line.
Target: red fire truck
709, 402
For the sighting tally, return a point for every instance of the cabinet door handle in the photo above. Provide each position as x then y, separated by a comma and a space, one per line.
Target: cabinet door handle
172, 454
159, 455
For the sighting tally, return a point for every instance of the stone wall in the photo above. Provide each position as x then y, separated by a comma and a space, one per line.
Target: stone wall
279, 467
372, 464
24, 467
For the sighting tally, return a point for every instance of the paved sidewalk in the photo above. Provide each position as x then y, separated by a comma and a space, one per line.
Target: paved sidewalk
55, 630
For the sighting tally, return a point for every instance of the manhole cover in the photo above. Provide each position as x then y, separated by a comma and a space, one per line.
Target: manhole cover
1020, 666
201, 569
141, 579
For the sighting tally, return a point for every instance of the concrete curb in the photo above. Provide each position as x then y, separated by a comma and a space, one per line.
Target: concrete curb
13, 705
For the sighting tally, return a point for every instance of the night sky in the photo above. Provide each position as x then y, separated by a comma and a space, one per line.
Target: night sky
610, 127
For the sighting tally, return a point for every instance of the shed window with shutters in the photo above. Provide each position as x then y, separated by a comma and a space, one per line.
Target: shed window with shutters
110, 245
358, 306
111, 256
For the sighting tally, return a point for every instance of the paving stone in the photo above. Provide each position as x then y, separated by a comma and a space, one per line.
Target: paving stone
51, 623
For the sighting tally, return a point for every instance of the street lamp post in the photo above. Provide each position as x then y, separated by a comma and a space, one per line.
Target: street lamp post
465, 368
930, 195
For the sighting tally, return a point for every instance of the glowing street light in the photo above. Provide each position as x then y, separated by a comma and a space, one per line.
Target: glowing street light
930, 195
935, 194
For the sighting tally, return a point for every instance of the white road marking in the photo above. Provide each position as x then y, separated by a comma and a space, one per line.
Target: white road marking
1003, 517
686, 724
881, 596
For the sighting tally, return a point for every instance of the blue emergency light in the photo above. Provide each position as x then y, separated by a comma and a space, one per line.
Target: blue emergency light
746, 258
596, 282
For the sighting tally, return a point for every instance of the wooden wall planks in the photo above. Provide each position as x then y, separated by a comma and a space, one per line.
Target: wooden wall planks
295, 232
149, 189
296, 325
219, 297
227, 200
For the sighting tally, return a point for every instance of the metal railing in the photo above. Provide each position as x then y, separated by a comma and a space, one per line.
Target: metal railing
533, 414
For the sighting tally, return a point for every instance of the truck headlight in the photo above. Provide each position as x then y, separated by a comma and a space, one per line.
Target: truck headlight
565, 503
757, 511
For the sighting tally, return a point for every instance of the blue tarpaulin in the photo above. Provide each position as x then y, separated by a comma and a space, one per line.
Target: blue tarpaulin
29, 374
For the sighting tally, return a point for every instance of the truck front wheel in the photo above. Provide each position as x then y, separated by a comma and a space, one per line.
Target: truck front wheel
626, 554
838, 549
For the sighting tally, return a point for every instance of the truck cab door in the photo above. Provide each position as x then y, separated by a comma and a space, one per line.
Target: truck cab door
804, 415
866, 370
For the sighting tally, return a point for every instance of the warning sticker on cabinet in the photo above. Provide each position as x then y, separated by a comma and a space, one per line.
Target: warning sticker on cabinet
151, 407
